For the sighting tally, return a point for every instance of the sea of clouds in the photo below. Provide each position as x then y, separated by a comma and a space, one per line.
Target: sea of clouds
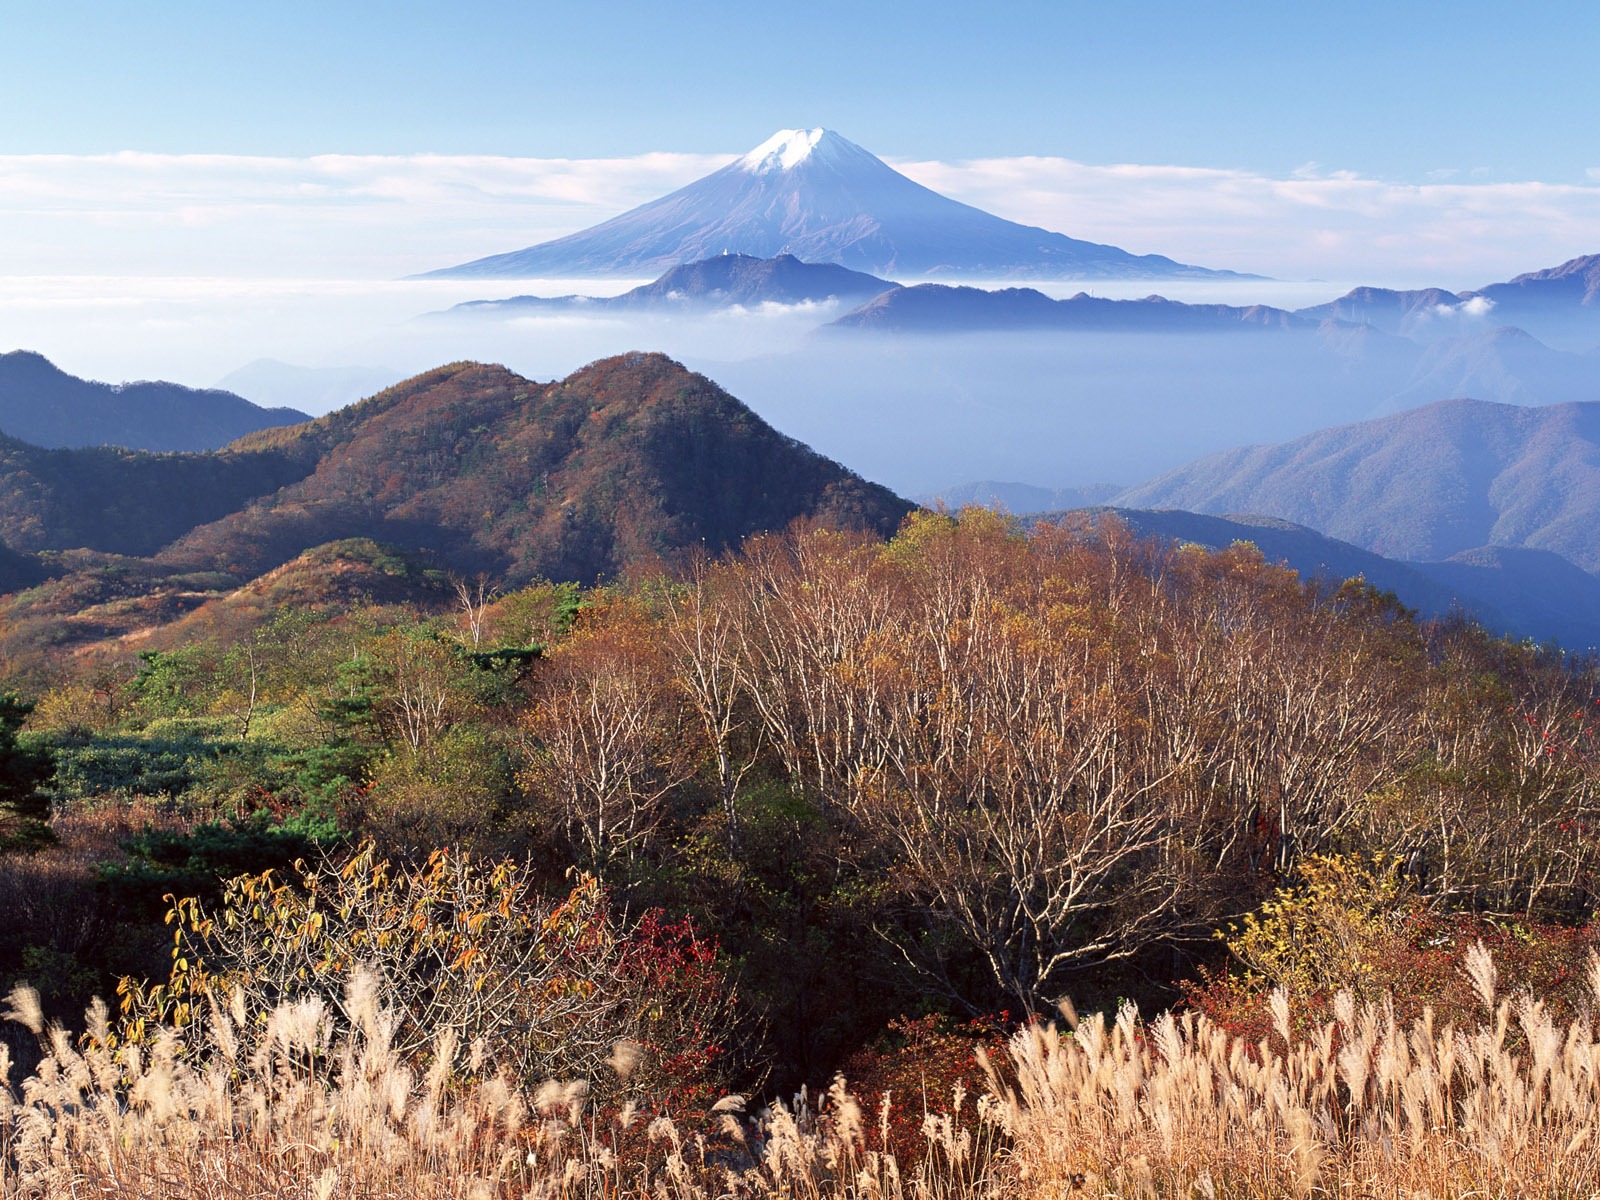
189, 267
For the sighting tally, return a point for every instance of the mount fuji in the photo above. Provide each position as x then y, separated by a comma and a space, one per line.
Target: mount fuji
821, 198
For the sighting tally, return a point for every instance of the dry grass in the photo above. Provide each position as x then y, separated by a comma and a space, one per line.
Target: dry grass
1363, 1107
279, 1106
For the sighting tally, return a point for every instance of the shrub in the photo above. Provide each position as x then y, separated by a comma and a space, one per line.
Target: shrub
453, 790
544, 988
924, 1067
163, 863
24, 767
1351, 925
128, 766
1329, 930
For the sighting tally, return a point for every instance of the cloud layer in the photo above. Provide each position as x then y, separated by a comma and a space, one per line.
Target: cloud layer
351, 216
1336, 226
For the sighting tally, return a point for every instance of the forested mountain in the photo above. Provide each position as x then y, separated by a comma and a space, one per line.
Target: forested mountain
42, 404
630, 458
630, 461
126, 501
1421, 485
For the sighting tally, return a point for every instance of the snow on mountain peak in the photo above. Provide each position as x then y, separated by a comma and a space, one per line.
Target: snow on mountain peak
785, 149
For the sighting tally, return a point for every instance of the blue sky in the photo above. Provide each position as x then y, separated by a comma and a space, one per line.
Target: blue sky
187, 186
1401, 92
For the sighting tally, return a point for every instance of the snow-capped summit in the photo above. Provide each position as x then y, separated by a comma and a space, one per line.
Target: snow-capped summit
784, 149
822, 198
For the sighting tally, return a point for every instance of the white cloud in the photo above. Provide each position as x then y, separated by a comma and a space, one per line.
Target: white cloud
329, 215
1332, 225
367, 216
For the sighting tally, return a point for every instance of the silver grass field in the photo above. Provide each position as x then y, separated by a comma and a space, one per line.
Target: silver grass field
279, 1104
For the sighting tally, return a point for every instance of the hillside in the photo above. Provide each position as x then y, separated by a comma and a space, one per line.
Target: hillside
1422, 485
124, 604
1311, 554
468, 468
42, 404
125, 501
822, 198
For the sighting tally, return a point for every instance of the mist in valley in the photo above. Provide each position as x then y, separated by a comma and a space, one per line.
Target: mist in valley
917, 413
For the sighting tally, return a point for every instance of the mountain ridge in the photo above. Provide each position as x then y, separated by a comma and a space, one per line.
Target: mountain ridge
45, 406
629, 459
936, 308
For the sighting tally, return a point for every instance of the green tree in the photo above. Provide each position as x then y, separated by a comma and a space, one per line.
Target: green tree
24, 808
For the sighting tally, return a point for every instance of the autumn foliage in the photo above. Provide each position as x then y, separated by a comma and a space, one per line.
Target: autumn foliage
745, 813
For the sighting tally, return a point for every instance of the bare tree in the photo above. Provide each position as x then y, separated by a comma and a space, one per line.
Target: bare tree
702, 637
474, 596
607, 739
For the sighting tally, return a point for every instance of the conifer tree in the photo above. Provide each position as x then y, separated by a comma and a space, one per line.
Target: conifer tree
24, 808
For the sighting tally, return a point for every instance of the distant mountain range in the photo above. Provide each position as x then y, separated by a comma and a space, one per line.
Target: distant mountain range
720, 282
1490, 507
823, 199
43, 405
1524, 593
941, 308
1432, 483
631, 460
1559, 305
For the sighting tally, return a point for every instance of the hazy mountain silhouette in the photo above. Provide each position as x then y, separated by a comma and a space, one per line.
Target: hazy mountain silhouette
42, 404
720, 282
941, 308
821, 198
1559, 305
1505, 364
1398, 312
1017, 497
